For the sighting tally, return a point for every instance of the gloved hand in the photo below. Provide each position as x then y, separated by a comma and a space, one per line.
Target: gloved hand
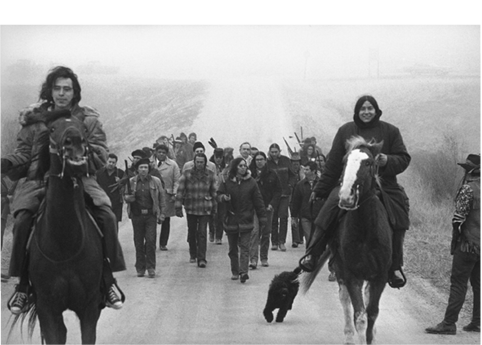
6, 165
160, 219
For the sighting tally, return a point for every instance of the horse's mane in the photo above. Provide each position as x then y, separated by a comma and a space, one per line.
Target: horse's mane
357, 141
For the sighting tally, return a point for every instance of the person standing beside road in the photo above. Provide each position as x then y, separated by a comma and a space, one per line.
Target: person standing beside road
270, 189
146, 204
242, 197
197, 192
282, 166
170, 175
108, 176
465, 249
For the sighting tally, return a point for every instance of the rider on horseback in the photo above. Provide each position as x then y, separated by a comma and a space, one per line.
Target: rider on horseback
393, 160
60, 95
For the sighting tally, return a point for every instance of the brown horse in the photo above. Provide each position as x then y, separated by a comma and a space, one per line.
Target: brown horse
362, 243
66, 260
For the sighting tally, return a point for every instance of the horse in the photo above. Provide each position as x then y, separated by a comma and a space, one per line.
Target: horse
362, 242
66, 254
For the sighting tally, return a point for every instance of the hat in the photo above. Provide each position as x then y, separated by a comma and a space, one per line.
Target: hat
148, 151
138, 153
197, 145
143, 161
218, 152
295, 157
471, 163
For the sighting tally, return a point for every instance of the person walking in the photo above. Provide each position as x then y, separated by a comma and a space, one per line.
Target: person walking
170, 174
392, 160
241, 194
282, 166
216, 220
303, 210
197, 192
270, 189
465, 249
299, 174
146, 205
60, 95
108, 178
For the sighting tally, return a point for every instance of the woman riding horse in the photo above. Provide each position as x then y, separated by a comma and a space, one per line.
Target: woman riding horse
392, 160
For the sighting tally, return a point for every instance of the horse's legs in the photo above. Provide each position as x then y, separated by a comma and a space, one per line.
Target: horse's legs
376, 289
88, 323
354, 287
52, 326
348, 313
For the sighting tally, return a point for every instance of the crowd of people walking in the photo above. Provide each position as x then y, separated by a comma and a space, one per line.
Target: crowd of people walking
249, 196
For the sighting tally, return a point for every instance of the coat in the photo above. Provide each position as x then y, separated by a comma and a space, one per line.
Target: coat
245, 200
398, 161
269, 186
170, 176
285, 173
31, 139
197, 192
300, 205
157, 194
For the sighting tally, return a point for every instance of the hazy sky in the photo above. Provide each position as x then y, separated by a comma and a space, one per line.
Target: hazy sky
234, 51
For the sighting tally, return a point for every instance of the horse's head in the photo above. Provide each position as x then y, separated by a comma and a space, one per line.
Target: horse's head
359, 171
68, 142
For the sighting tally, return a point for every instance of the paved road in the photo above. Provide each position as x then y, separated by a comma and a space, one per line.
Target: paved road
190, 305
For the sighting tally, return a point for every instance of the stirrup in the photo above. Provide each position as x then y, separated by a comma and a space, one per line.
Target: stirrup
398, 286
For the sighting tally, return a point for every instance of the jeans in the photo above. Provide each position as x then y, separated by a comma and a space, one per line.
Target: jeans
145, 241
216, 222
239, 258
465, 267
296, 231
260, 238
196, 236
278, 236
165, 231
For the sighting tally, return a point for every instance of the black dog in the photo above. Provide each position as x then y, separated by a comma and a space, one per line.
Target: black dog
281, 294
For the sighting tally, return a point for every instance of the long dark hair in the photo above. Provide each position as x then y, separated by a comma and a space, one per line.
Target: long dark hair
233, 170
55, 73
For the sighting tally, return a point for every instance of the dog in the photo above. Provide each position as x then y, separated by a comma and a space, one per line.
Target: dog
281, 295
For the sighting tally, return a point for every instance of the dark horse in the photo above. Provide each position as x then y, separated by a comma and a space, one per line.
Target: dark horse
362, 244
66, 258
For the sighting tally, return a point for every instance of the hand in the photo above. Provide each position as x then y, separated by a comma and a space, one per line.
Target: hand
160, 219
130, 197
227, 197
179, 213
269, 207
382, 159
6, 164
294, 221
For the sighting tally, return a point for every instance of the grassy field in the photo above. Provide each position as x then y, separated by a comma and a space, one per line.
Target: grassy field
439, 119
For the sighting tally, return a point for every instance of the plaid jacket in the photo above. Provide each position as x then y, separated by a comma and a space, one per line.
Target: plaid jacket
197, 192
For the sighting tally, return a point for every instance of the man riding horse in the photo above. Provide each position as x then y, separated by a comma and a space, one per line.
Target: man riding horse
60, 95
392, 160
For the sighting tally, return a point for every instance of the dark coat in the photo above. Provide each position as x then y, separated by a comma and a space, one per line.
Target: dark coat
300, 206
269, 186
285, 173
245, 200
398, 161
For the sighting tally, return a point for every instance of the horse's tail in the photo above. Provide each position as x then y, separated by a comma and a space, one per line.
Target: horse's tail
307, 279
30, 314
